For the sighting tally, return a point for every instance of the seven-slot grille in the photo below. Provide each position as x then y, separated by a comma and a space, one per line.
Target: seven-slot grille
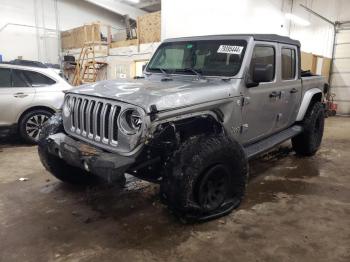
93, 119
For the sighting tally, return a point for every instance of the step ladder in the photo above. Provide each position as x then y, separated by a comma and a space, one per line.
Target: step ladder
87, 67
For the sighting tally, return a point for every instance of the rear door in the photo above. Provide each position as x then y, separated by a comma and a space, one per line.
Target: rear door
15, 95
261, 107
289, 84
49, 91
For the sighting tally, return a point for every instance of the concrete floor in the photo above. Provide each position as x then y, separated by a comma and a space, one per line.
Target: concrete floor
296, 209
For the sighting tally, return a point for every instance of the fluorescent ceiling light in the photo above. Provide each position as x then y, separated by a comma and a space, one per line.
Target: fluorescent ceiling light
297, 20
134, 1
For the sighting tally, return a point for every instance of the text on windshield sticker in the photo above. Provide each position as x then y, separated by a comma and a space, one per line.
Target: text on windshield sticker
230, 49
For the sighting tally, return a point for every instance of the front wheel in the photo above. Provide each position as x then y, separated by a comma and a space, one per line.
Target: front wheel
309, 141
206, 178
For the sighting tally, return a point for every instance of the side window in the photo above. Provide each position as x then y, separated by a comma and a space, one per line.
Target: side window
263, 60
18, 79
288, 63
36, 79
5, 77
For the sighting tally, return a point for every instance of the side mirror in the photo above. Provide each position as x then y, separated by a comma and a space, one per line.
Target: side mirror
262, 73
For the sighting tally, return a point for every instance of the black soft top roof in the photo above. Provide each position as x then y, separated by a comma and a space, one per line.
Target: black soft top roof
276, 38
257, 37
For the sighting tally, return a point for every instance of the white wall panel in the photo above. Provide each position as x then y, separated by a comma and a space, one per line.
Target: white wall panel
318, 37
198, 17
22, 41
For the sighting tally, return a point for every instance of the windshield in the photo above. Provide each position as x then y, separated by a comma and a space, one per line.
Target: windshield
207, 57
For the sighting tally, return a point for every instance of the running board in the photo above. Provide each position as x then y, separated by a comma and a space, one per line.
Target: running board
266, 144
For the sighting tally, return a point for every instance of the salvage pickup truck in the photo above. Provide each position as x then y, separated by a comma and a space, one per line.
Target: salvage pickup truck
205, 107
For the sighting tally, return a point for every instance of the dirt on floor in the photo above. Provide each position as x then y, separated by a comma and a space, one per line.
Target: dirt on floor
296, 209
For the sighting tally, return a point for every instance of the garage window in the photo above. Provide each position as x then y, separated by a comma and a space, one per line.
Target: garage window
36, 79
288, 63
5, 77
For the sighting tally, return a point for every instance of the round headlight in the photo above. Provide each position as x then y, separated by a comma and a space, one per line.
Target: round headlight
67, 107
130, 121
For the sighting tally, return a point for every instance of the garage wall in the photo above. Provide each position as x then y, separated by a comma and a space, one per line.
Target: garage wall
318, 37
197, 17
23, 41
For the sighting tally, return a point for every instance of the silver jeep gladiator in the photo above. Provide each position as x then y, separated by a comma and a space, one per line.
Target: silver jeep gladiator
205, 107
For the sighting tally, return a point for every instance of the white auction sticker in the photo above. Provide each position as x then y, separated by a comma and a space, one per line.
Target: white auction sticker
230, 49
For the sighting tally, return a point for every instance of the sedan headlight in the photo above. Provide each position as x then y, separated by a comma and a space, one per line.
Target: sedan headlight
67, 107
130, 121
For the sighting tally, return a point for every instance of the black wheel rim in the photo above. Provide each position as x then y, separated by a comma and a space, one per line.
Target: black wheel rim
212, 190
34, 125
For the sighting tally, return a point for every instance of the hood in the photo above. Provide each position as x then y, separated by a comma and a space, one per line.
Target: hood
164, 94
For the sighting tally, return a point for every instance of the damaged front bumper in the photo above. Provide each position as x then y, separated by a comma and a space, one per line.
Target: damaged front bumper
109, 166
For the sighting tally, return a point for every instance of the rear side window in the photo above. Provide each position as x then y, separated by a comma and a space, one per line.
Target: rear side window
18, 78
36, 79
263, 55
5, 77
288, 63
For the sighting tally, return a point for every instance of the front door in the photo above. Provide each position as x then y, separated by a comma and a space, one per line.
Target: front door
15, 95
261, 103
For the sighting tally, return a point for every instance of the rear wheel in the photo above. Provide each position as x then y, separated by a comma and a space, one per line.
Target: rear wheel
309, 141
31, 124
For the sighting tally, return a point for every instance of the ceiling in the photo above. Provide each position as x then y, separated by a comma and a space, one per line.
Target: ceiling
146, 5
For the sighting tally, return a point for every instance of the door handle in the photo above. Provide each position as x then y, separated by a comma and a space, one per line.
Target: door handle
20, 95
275, 94
294, 90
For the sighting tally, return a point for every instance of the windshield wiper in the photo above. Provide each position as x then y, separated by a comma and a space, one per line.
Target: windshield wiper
190, 69
164, 72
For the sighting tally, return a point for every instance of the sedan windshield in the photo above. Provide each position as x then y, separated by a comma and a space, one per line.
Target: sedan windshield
205, 57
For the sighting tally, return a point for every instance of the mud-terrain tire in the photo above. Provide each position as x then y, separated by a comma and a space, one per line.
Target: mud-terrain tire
56, 166
309, 141
31, 124
205, 179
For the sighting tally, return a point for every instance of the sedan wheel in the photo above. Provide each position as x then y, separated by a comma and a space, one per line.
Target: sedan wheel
35, 124
31, 124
